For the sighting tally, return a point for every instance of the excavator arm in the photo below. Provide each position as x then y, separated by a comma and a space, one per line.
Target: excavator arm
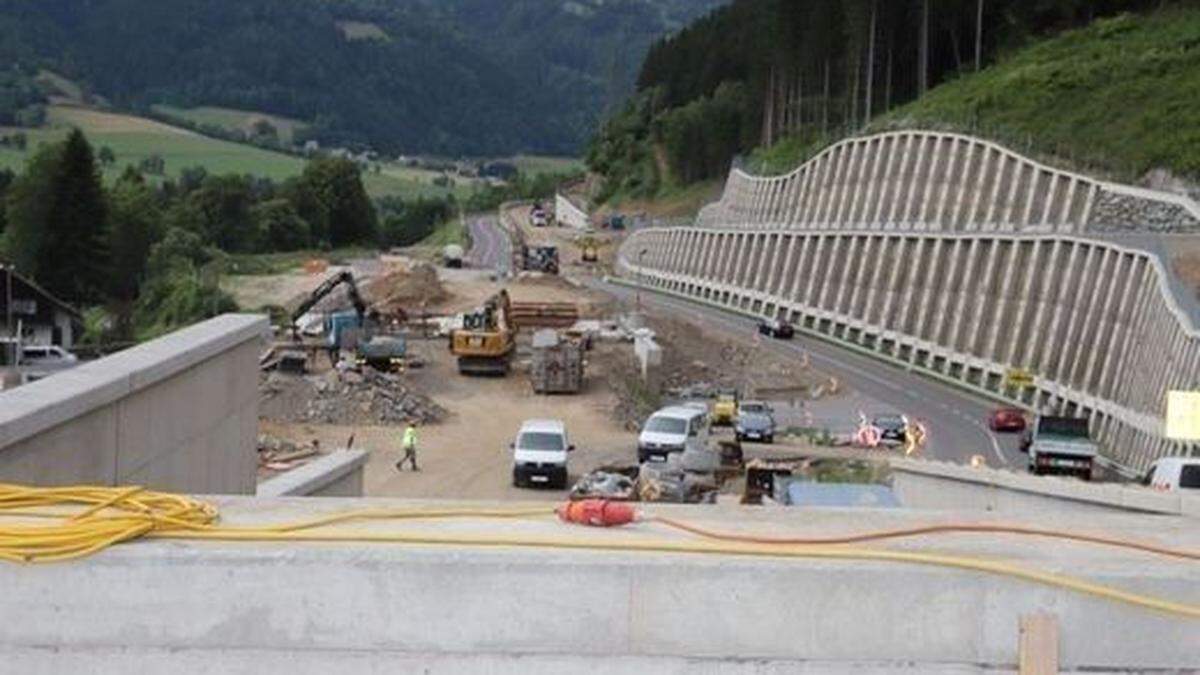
327, 287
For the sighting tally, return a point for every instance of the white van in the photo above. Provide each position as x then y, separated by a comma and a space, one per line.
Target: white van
671, 430
1174, 473
540, 454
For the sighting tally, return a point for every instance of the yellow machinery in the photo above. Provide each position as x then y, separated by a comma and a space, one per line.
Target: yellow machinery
487, 340
725, 408
590, 248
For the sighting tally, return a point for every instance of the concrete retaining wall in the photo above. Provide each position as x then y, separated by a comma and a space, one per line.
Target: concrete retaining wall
567, 213
885, 243
177, 413
1095, 322
946, 486
933, 181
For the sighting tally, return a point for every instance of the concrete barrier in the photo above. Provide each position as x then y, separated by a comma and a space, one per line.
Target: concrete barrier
176, 413
295, 607
338, 474
941, 485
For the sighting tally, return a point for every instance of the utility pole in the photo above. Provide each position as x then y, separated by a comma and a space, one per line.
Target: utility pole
8, 295
979, 37
870, 67
923, 46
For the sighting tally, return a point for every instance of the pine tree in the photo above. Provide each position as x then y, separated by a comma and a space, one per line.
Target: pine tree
59, 221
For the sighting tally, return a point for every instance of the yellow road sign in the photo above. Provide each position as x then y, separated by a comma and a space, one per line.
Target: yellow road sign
1183, 415
1018, 378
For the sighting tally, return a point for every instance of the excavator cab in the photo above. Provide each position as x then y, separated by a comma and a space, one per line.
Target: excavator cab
486, 342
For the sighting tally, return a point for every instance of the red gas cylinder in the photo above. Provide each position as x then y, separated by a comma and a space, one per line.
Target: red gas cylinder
597, 513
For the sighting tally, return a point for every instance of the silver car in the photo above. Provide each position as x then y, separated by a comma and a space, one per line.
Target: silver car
755, 426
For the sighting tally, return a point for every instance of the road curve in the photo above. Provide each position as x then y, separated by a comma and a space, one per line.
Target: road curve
957, 420
490, 246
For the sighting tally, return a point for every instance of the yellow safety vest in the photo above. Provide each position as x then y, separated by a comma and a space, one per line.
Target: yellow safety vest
410, 438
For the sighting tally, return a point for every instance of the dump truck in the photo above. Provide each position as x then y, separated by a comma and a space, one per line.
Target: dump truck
557, 365
385, 353
1061, 445
487, 340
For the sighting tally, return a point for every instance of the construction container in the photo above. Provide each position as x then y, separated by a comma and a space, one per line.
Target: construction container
557, 365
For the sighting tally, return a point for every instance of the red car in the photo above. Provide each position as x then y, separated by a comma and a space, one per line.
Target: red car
1007, 419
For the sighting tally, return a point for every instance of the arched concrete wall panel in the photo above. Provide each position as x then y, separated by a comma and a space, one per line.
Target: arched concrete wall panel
930, 181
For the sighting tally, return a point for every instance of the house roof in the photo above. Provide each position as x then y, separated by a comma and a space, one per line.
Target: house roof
43, 293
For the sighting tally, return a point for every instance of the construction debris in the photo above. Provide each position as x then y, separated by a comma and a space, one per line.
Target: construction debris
370, 397
280, 454
604, 485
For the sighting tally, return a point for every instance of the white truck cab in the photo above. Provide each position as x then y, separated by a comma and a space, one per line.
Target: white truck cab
540, 454
672, 429
1174, 473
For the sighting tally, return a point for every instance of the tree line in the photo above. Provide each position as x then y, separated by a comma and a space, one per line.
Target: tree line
758, 71
149, 252
146, 250
460, 77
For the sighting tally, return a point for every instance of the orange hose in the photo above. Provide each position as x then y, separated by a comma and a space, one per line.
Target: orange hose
925, 530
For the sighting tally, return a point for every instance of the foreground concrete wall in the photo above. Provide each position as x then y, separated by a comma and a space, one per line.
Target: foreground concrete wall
240, 607
177, 413
942, 182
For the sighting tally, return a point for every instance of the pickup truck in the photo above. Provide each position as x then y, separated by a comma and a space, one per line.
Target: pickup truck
1060, 445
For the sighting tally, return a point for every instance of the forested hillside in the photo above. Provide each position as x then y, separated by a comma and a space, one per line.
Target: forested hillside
417, 76
768, 73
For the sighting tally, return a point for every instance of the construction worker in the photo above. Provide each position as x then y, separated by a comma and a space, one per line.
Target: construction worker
409, 441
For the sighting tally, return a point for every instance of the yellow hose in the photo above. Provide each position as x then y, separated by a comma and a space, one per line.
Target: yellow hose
113, 515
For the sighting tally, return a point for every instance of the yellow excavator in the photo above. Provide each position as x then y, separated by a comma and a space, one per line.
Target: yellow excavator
487, 340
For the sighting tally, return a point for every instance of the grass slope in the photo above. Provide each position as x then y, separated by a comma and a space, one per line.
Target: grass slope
232, 120
1121, 96
132, 139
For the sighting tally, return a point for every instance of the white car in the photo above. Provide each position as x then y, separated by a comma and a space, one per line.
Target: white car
540, 454
1174, 473
672, 430
47, 356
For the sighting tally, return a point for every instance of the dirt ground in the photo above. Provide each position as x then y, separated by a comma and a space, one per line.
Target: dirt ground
466, 456
283, 290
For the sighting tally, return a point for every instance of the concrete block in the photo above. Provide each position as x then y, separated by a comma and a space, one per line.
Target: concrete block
333, 475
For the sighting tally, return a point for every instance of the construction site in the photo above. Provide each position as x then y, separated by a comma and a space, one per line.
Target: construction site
539, 455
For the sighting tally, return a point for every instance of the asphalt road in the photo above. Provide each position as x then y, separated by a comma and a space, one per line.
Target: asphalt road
956, 420
490, 247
